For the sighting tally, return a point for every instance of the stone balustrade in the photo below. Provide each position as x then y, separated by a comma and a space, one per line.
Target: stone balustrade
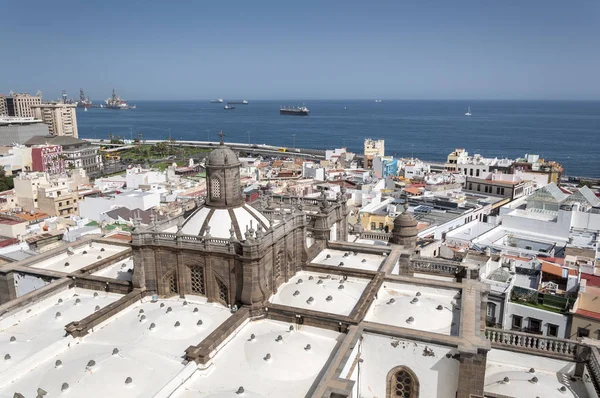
376, 235
594, 368
433, 265
532, 344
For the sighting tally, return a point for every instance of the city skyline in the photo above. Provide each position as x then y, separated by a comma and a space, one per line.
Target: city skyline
464, 50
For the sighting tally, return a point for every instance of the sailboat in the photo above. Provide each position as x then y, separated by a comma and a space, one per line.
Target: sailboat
85, 109
468, 111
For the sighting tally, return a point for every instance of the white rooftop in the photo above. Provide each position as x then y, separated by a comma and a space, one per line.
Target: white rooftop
364, 261
520, 369
321, 292
82, 256
416, 307
121, 270
295, 362
150, 355
39, 329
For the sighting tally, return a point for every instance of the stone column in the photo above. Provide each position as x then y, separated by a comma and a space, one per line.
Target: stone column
471, 374
404, 266
8, 291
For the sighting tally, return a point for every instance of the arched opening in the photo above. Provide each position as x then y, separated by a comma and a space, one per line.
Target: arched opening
402, 383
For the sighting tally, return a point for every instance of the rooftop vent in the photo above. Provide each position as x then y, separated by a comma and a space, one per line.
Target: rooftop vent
410, 320
162, 305
13, 339
60, 300
252, 336
95, 294
7, 357
506, 380
329, 298
141, 311
77, 301
563, 389
152, 326
310, 278
534, 380
291, 329
58, 363
299, 281
128, 380
240, 390
279, 338
91, 363
364, 260
414, 301
115, 351
439, 307
185, 303
169, 309
84, 252
341, 287
307, 348
418, 294
67, 264
267, 357
102, 250
320, 281
177, 324
297, 292
341, 264
310, 300
199, 323
196, 309
99, 257
328, 256
64, 387
143, 318
531, 370
58, 315
97, 308
391, 301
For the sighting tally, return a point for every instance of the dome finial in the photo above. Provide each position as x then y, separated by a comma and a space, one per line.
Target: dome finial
221, 135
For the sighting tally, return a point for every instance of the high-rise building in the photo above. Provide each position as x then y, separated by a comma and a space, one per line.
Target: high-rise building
60, 118
19, 104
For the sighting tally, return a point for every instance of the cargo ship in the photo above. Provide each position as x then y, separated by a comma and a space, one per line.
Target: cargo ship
217, 101
296, 111
84, 102
116, 102
244, 102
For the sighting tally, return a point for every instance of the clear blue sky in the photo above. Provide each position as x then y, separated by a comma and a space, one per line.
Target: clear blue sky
459, 49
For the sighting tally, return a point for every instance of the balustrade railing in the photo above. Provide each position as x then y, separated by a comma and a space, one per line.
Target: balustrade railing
594, 368
424, 265
375, 235
518, 341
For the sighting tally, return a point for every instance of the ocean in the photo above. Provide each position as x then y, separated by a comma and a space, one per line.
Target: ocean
565, 131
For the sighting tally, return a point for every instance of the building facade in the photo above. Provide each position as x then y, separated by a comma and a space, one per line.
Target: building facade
76, 153
60, 118
373, 148
48, 158
19, 105
18, 130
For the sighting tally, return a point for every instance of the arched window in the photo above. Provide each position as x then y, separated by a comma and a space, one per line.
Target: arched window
215, 186
402, 383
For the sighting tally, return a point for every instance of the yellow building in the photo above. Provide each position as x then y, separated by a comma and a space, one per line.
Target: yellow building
585, 321
378, 216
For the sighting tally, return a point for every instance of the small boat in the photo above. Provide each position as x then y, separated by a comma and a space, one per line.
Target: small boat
378, 101
217, 101
229, 107
468, 111
85, 109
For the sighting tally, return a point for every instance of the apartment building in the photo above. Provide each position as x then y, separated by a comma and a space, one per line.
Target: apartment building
19, 105
60, 118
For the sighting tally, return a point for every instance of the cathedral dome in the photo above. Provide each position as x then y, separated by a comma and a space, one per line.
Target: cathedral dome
222, 156
219, 223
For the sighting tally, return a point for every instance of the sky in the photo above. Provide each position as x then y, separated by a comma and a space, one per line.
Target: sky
329, 49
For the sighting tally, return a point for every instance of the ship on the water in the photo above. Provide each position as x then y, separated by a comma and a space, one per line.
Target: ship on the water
84, 102
217, 101
115, 102
228, 107
292, 110
244, 102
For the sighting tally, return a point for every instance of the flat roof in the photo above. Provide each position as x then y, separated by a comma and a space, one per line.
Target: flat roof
551, 375
39, 330
121, 270
396, 303
150, 356
82, 256
293, 366
350, 259
344, 293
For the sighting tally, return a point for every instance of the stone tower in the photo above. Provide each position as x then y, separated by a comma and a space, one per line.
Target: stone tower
223, 178
405, 231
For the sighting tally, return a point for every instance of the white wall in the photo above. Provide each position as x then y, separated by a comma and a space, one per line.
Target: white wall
545, 316
27, 283
92, 207
437, 375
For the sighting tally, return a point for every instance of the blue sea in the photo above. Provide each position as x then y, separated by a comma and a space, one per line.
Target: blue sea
564, 131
